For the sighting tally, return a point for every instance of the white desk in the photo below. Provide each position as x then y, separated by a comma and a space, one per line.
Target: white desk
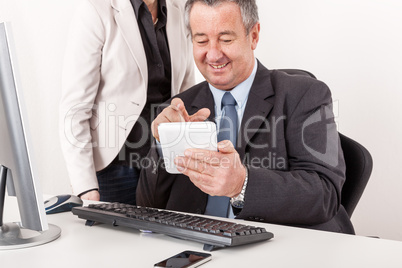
107, 246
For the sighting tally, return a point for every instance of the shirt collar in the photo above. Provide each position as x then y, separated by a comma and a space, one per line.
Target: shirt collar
162, 10
136, 5
240, 92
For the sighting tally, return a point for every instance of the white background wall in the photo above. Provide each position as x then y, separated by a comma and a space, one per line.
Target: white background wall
355, 46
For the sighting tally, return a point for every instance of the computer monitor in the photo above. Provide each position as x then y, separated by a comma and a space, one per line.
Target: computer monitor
17, 168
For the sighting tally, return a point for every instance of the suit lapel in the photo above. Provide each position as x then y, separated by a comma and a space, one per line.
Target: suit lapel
203, 99
257, 108
259, 105
127, 23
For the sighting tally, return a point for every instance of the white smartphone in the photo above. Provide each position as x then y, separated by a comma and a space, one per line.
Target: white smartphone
175, 138
185, 259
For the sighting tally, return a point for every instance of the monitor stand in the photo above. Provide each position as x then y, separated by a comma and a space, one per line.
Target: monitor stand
13, 235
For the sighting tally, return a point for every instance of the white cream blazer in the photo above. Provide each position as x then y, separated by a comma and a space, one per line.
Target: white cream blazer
104, 82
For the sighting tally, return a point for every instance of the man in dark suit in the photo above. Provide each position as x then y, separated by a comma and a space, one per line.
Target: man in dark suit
287, 165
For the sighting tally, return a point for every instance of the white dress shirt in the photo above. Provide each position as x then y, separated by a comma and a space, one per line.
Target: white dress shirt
240, 93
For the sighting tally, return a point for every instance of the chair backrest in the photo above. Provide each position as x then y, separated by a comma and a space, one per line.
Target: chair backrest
297, 72
358, 160
359, 165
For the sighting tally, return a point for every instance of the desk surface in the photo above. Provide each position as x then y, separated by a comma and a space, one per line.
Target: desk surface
108, 246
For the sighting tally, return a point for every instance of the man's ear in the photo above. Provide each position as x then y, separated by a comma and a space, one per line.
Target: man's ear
255, 35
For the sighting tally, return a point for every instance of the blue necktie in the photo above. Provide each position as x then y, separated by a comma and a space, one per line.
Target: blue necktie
219, 205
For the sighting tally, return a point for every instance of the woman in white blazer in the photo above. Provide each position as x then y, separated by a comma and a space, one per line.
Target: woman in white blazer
105, 83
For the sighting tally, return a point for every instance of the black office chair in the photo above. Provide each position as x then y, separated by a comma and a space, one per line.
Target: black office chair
298, 72
358, 160
359, 165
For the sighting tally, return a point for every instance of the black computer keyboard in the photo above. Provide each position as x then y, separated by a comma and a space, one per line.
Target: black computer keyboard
213, 233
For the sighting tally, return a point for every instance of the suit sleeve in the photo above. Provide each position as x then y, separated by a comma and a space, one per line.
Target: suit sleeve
80, 82
307, 192
155, 184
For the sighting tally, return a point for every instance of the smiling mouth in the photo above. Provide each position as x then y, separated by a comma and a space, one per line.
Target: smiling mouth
218, 66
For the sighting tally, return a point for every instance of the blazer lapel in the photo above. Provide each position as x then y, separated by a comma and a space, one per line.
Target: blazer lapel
127, 23
257, 108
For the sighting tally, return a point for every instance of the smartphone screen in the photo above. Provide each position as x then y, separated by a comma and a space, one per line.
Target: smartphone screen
186, 259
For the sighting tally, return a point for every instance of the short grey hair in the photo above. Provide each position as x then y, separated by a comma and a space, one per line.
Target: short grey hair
248, 9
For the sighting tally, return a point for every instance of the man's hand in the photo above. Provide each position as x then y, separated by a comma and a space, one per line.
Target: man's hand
215, 173
92, 195
176, 112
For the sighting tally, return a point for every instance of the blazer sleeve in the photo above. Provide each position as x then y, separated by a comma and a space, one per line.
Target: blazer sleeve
189, 74
80, 82
308, 191
189, 77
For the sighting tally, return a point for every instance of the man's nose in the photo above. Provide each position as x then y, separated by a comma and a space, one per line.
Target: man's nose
214, 52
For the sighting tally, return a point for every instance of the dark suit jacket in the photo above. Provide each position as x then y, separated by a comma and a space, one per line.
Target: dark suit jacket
289, 142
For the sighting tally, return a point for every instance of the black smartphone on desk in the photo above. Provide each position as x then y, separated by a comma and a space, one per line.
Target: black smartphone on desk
185, 259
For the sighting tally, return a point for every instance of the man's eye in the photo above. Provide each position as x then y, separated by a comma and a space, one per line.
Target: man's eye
226, 40
201, 42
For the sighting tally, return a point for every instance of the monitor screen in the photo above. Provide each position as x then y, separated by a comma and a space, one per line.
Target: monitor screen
16, 156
